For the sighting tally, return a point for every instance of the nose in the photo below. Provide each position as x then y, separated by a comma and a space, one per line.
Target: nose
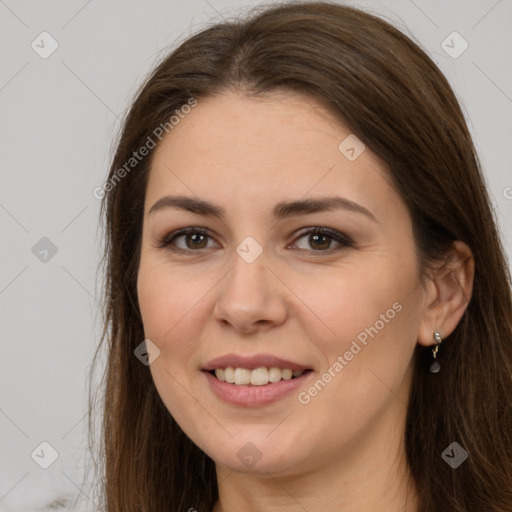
251, 296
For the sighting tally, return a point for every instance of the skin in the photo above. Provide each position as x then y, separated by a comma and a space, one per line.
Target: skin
301, 300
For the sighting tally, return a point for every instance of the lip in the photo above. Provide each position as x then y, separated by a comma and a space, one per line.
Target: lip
255, 396
252, 362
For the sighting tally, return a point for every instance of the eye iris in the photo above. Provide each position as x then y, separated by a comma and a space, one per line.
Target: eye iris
198, 240
195, 237
314, 238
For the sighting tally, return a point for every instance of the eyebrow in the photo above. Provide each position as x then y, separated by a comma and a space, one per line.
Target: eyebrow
281, 210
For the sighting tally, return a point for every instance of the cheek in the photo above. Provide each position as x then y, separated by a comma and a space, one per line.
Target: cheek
165, 299
367, 360
367, 315
167, 304
340, 304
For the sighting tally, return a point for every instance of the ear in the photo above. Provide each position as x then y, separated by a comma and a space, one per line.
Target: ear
449, 291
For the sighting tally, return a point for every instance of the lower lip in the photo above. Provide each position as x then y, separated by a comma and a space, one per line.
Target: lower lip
254, 396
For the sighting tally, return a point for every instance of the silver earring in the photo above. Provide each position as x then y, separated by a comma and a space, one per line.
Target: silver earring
435, 366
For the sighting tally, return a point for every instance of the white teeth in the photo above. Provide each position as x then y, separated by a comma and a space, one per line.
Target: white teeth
286, 374
229, 375
242, 376
257, 377
274, 374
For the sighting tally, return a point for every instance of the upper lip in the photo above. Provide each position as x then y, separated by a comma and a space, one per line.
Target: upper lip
252, 362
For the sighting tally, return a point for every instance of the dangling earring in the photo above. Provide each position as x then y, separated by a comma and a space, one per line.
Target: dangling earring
435, 366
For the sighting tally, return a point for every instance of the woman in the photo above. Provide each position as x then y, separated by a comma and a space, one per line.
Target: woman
307, 303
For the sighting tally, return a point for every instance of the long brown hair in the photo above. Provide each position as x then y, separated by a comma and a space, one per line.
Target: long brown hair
395, 99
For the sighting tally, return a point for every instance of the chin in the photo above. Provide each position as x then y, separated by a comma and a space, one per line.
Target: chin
257, 454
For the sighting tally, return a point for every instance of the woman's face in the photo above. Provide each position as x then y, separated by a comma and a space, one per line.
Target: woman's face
251, 292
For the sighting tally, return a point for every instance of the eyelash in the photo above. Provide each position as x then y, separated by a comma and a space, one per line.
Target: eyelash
342, 239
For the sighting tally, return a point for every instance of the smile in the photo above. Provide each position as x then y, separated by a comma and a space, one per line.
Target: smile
257, 377
243, 392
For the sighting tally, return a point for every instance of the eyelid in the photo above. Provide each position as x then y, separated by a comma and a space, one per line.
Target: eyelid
343, 240
339, 236
167, 239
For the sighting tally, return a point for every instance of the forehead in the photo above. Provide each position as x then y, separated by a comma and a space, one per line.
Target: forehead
281, 124
234, 147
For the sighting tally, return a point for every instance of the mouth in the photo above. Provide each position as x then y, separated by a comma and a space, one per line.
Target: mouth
260, 376
255, 387
255, 380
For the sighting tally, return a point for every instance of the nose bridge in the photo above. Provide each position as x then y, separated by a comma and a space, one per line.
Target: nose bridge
249, 250
248, 269
247, 296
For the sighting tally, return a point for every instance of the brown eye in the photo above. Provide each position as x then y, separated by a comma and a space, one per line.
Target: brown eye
320, 239
195, 240
192, 240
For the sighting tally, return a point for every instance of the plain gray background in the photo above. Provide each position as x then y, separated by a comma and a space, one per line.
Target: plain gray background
59, 118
